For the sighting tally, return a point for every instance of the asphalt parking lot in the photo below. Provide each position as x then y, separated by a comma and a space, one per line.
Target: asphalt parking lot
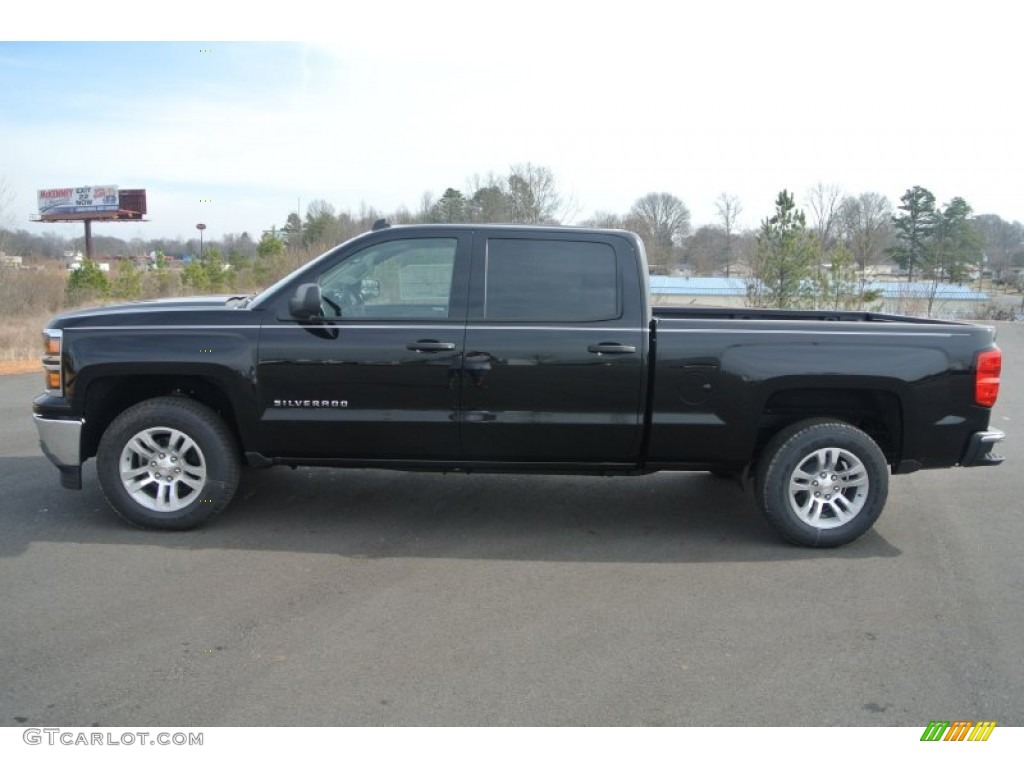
339, 597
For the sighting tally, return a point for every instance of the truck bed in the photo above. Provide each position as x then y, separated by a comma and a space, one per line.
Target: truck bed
748, 313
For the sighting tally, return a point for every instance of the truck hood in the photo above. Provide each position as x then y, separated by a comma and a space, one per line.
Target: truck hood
149, 309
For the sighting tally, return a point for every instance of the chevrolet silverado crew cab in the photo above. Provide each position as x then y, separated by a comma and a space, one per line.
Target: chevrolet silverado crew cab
508, 349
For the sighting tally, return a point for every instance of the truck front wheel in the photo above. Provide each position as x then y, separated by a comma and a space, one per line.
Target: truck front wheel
822, 483
168, 463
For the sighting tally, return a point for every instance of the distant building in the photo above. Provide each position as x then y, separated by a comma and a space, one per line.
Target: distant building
10, 262
77, 259
701, 291
902, 298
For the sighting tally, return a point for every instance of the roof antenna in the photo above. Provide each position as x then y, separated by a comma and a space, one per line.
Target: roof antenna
380, 224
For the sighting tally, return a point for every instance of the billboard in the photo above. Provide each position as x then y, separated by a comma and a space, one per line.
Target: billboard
71, 200
132, 203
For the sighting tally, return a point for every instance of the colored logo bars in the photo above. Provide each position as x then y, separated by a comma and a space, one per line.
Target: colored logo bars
959, 730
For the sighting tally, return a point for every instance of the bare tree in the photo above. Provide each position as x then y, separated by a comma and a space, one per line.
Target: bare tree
665, 215
1004, 243
321, 227
487, 199
866, 223
427, 201
605, 220
533, 193
706, 248
663, 220
366, 216
527, 195
402, 215
729, 209
6, 199
824, 202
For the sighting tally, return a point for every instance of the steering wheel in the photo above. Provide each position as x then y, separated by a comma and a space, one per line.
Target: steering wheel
345, 300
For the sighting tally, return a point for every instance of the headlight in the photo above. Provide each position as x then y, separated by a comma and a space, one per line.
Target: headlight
52, 342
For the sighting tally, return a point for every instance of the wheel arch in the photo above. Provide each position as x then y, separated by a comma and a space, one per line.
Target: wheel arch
108, 396
877, 412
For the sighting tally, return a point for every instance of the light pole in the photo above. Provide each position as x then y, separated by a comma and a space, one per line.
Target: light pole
200, 227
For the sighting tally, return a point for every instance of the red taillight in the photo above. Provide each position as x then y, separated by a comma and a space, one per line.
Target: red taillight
986, 377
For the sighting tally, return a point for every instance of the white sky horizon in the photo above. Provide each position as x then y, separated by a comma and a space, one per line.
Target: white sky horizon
617, 99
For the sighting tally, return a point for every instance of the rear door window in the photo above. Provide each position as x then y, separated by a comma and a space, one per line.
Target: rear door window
550, 280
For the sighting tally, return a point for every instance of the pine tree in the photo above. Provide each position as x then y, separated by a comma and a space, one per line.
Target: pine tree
783, 263
915, 228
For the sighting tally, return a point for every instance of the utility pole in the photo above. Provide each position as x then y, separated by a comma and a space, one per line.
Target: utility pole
200, 227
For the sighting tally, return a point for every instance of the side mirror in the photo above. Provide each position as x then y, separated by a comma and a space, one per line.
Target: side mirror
306, 303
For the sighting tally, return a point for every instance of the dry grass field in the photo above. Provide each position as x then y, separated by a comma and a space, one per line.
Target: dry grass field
28, 298
20, 336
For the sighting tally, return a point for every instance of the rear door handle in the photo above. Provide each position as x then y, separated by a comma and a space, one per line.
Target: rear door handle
429, 345
479, 416
611, 348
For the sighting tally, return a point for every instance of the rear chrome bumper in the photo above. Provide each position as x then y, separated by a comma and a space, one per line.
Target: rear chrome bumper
61, 441
979, 449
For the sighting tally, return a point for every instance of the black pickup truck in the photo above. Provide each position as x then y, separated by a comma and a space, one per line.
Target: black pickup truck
508, 349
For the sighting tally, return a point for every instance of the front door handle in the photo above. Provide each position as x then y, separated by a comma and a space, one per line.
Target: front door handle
611, 348
429, 345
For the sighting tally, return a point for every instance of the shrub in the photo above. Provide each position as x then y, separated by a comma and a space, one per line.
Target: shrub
86, 284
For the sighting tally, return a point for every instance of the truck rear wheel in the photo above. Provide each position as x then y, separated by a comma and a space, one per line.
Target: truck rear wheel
822, 483
168, 463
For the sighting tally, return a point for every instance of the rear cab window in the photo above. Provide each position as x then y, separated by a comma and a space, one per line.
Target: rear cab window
554, 280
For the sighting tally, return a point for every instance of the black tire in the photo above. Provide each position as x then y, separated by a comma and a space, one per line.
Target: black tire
180, 462
835, 460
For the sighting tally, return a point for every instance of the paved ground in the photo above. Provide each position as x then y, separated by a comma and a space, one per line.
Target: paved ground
356, 597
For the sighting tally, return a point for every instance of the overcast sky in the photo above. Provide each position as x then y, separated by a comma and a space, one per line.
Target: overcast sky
617, 99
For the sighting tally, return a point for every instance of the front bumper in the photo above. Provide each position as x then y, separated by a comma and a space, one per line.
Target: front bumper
979, 449
61, 441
